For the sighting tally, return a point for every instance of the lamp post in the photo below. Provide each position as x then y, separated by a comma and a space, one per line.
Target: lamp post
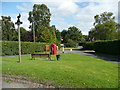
18, 23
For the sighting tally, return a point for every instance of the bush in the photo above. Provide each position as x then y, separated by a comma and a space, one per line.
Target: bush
11, 47
70, 43
88, 46
108, 47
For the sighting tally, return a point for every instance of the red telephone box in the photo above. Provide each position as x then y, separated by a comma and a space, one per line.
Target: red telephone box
53, 49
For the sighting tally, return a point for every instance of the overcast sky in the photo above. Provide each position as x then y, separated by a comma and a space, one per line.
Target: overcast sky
65, 13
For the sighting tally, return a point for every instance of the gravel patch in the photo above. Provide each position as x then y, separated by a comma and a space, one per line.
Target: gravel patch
12, 81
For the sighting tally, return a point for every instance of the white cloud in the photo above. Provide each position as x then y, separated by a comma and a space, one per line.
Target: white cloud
84, 16
21, 8
62, 9
68, 8
25, 21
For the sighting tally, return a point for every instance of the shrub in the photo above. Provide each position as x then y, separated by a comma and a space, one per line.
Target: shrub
71, 43
108, 47
88, 46
11, 47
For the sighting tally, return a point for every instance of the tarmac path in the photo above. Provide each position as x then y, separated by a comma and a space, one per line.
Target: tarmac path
92, 53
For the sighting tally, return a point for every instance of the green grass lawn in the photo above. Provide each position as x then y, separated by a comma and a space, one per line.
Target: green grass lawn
72, 71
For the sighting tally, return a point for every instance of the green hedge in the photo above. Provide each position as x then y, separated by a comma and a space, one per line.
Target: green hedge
88, 46
11, 47
108, 47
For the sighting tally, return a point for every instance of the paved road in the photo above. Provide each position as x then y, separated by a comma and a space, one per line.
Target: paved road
92, 53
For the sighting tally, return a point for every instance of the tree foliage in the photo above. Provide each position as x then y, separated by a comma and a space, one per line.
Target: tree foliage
9, 33
72, 36
24, 34
40, 16
75, 34
55, 34
103, 18
105, 27
45, 35
8, 29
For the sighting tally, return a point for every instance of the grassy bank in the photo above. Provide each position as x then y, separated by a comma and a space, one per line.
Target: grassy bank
73, 71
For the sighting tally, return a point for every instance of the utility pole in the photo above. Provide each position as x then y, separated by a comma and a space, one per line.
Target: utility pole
18, 23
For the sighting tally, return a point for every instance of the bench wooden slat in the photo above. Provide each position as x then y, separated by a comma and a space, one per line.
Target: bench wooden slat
41, 55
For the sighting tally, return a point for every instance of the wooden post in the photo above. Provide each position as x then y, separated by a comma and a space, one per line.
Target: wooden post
19, 44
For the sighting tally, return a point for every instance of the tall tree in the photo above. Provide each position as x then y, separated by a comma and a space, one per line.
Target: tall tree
40, 17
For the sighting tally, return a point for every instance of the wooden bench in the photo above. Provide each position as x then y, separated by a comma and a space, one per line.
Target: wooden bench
41, 55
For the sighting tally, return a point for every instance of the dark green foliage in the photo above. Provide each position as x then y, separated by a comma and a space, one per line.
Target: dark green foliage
24, 34
75, 34
11, 47
72, 36
108, 47
58, 35
88, 45
70, 43
8, 29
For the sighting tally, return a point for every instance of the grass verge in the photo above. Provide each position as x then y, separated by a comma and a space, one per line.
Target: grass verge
72, 71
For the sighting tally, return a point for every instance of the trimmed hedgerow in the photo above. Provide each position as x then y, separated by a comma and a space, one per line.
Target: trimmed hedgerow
11, 47
105, 46
108, 47
88, 45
